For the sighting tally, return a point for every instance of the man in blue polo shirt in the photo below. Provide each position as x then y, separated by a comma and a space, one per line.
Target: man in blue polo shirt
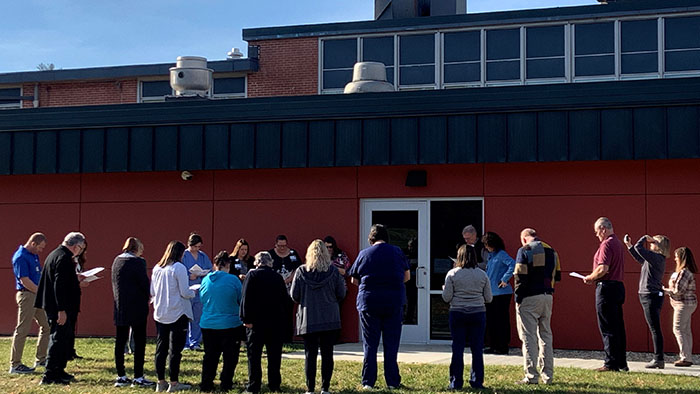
27, 270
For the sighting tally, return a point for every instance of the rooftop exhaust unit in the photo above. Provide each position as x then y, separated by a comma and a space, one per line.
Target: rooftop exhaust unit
368, 77
399, 9
190, 77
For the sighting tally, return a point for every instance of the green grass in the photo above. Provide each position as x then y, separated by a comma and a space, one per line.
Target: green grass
96, 373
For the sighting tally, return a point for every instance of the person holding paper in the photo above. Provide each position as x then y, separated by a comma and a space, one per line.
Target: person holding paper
681, 289
131, 289
172, 312
608, 273
651, 296
198, 265
242, 260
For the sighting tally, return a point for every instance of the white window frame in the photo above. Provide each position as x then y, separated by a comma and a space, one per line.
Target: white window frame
503, 82
565, 57
222, 96
453, 85
663, 50
13, 105
435, 63
151, 99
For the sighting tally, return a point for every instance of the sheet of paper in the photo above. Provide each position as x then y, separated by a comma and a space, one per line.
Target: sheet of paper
91, 278
195, 286
93, 272
197, 270
576, 275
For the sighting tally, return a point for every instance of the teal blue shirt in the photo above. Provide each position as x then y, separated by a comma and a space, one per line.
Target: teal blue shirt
221, 300
500, 268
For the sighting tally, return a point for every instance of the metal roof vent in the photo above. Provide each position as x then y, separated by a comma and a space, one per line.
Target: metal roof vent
399, 9
191, 77
368, 77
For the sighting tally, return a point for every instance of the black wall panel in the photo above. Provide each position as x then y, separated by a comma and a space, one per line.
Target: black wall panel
552, 136
242, 148
461, 139
522, 137
404, 141
348, 142
93, 150
117, 149
433, 140
683, 128
69, 151
46, 152
322, 143
216, 145
5, 152
165, 148
294, 144
617, 134
23, 153
141, 149
491, 138
650, 133
584, 135
191, 147
375, 142
267, 145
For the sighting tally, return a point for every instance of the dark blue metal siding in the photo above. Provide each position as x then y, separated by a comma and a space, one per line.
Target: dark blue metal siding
117, 149
375, 142
433, 140
46, 148
23, 153
267, 145
492, 138
348, 143
93, 143
522, 137
683, 132
322, 144
650, 133
165, 144
216, 147
242, 148
141, 149
5, 153
461, 139
191, 147
404, 141
617, 135
69, 151
584, 135
294, 144
552, 136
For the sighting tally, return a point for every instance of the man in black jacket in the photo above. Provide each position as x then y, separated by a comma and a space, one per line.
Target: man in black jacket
264, 311
59, 295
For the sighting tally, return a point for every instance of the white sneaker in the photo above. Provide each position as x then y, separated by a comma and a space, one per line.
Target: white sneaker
161, 387
325, 392
367, 387
178, 387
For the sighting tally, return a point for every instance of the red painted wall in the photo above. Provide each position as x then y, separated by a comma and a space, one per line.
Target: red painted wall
560, 200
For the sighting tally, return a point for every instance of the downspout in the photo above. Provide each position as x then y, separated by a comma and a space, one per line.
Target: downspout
36, 95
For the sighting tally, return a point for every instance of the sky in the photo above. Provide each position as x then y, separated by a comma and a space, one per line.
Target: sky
94, 33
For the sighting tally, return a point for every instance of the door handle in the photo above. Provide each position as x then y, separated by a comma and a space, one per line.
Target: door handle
420, 275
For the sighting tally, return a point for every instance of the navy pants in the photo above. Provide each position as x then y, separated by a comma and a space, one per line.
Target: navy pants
467, 327
651, 304
384, 323
609, 297
60, 347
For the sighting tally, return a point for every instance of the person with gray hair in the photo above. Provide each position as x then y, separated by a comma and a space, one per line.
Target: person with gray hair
264, 309
471, 237
59, 295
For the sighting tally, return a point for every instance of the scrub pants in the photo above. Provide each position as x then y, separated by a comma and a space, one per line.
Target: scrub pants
384, 323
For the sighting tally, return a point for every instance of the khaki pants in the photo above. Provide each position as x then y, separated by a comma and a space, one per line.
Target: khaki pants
26, 312
682, 313
533, 318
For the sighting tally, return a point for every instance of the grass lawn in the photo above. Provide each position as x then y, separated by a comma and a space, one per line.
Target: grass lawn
96, 373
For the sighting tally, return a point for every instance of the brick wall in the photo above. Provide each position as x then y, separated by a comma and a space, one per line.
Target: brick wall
288, 67
70, 93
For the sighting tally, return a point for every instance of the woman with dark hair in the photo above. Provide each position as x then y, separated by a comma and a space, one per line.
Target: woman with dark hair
222, 328
499, 269
318, 288
338, 257
131, 289
172, 312
681, 289
191, 257
651, 296
242, 260
467, 289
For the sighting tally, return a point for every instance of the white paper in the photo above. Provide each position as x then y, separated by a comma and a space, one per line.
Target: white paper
91, 278
195, 286
197, 270
92, 272
576, 275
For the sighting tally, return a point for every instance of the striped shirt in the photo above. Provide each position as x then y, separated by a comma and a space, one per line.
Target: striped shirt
682, 287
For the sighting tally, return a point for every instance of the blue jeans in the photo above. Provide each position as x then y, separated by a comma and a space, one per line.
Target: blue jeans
467, 327
384, 323
194, 337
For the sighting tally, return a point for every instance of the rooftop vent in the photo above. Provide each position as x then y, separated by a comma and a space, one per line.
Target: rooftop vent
369, 77
399, 9
190, 77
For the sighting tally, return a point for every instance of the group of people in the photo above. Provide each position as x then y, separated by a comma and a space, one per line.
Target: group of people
240, 298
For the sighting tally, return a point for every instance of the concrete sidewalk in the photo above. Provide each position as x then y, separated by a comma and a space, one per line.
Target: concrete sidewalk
441, 354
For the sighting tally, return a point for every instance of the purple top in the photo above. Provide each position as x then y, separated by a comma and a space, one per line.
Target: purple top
611, 252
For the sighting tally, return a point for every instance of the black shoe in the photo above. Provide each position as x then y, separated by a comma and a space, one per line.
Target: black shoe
75, 356
67, 377
655, 364
47, 381
500, 351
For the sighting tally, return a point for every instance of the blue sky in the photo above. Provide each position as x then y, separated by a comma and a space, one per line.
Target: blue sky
91, 33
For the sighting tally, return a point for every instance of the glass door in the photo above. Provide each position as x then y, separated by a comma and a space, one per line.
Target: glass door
407, 223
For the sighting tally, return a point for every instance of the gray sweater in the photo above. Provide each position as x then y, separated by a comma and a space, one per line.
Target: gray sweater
318, 295
467, 289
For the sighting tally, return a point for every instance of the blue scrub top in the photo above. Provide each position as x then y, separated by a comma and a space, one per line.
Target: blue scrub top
380, 270
189, 262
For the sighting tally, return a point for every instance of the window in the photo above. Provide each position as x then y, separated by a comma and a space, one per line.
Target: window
154, 91
380, 49
462, 57
229, 87
339, 57
545, 52
682, 48
639, 47
594, 49
417, 60
10, 98
503, 55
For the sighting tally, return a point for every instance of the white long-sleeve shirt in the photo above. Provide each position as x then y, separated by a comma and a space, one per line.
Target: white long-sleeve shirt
170, 293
